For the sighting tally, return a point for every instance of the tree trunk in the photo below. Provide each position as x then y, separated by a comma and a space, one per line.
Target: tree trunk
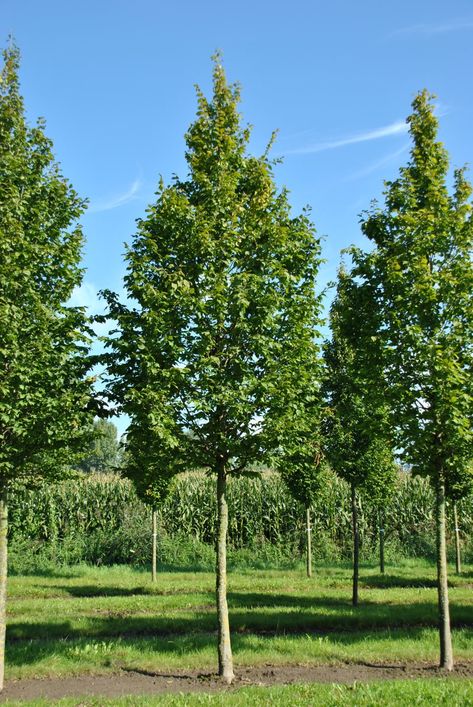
3, 579
446, 653
154, 550
458, 561
225, 659
309, 544
356, 545
381, 540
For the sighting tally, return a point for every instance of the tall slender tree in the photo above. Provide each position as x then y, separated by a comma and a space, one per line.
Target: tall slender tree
459, 487
220, 345
416, 286
301, 465
151, 465
44, 392
356, 440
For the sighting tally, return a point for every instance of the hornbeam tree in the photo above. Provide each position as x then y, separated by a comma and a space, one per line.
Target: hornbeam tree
302, 466
151, 465
219, 345
44, 391
416, 285
457, 487
355, 432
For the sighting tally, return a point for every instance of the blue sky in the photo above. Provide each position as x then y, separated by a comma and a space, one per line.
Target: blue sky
115, 81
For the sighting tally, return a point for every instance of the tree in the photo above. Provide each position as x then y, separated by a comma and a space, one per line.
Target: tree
458, 489
219, 349
356, 440
302, 465
151, 466
416, 286
380, 486
44, 394
103, 448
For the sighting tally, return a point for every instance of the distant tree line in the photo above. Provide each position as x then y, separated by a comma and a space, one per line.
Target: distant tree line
102, 451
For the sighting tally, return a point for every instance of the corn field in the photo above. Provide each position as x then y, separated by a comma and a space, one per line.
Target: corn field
99, 519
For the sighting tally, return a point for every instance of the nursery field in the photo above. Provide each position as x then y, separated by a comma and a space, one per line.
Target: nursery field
86, 631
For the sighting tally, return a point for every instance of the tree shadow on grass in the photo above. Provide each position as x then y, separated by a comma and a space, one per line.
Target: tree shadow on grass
92, 590
74, 644
465, 574
391, 581
261, 614
388, 581
46, 573
252, 600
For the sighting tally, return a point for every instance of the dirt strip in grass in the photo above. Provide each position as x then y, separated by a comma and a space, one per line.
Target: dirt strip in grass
134, 682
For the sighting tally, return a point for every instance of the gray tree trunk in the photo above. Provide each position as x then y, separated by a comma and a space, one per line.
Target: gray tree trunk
458, 559
3, 579
356, 545
225, 659
446, 652
154, 550
309, 544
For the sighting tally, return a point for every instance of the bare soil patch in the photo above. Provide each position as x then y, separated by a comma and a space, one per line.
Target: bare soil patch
134, 682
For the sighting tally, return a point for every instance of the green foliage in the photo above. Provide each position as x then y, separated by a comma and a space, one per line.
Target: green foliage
103, 448
95, 518
148, 463
215, 360
99, 519
43, 390
300, 458
304, 472
84, 504
417, 315
356, 434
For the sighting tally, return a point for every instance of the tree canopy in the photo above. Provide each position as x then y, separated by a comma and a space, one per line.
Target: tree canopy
149, 464
417, 284
44, 390
356, 435
357, 441
221, 342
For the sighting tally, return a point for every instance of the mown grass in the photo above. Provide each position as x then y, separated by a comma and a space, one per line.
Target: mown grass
97, 620
403, 693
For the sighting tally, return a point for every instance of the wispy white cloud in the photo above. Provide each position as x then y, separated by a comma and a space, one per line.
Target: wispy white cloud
374, 166
396, 128
117, 200
457, 25
86, 295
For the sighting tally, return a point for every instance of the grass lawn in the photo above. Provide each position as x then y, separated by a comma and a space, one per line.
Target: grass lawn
99, 620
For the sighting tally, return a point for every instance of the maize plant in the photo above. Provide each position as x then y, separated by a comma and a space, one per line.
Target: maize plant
96, 508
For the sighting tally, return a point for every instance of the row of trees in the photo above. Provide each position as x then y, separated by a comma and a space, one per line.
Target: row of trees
217, 359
